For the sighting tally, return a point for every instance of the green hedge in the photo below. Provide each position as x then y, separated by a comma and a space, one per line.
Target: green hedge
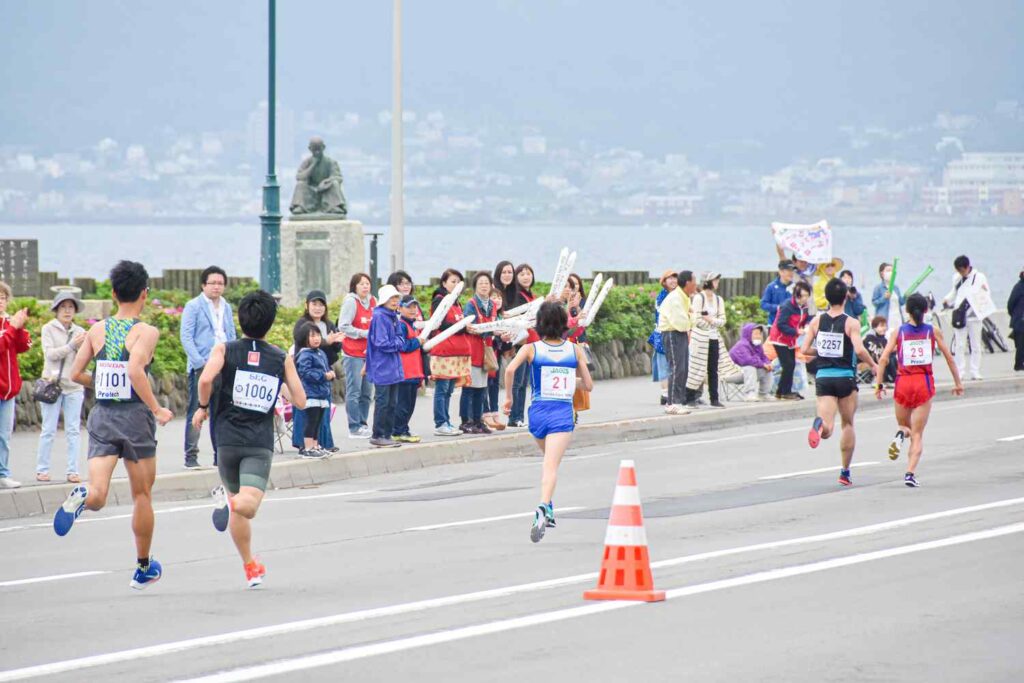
627, 315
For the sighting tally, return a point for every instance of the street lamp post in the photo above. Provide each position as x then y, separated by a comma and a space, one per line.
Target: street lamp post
270, 219
397, 236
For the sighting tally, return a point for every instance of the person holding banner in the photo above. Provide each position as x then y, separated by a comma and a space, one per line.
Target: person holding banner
972, 303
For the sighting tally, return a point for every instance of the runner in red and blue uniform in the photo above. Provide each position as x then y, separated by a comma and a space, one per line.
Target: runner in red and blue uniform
914, 345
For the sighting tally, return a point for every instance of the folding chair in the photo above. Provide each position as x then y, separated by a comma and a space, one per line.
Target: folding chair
283, 413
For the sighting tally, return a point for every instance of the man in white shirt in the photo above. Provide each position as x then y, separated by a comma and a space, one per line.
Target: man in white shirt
971, 300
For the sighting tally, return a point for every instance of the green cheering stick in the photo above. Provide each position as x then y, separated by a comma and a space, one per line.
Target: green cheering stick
921, 278
892, 278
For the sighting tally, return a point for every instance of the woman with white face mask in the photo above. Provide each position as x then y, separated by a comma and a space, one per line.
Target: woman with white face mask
881, 297
748, 353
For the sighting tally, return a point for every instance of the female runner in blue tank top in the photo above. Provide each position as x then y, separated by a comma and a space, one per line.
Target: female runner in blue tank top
556, 365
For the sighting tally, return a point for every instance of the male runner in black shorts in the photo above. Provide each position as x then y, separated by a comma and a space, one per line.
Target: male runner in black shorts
122, 424
834, 338
250, 371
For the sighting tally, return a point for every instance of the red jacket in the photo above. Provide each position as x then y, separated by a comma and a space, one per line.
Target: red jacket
412, 361
786, 328
12, 342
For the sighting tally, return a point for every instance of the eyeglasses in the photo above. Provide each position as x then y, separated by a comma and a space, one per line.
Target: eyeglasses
214, 284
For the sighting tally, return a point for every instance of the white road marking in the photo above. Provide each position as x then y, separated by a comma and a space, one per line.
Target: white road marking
191, 644
349, 654
55, 577
316, 496
817, 471
483, 520
1012, 438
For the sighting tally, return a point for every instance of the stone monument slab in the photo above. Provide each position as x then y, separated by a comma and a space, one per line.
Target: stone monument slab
19, 265
319, 252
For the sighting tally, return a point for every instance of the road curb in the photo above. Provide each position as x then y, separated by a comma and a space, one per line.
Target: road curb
33, 501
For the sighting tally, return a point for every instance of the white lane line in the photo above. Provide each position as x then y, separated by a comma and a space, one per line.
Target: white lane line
483, 520
191, 644
316, 496
55, 577
1012, 438
817, 471
349, 654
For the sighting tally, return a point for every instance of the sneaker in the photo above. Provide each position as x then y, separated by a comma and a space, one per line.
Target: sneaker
910, 480
550, 515
333, 449
148, 576
384, 442
221, 508
447, 430
314, 454
69, 511
518, 424
540, 523
844, 478
896, 445
480, 428
406, 438
358, 434
254, 573
664, 400
466, 428
814, 436
677, 409
192, 463
717, 404
365, 431
8, 483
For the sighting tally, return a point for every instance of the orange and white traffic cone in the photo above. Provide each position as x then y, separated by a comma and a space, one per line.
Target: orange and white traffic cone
626, 567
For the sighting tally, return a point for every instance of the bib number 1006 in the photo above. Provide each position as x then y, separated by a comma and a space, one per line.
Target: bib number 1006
111, 380
254, 391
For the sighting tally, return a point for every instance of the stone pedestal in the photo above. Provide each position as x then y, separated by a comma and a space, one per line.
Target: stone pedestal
319, 252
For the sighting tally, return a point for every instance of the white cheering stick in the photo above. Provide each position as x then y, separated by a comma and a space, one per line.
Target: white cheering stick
597, 304
454, 329
513, 325
441, 311
561, 273
596, 287
517, 311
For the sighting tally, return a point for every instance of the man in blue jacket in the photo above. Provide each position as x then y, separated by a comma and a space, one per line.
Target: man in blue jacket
385, 344
777, 292
205, 322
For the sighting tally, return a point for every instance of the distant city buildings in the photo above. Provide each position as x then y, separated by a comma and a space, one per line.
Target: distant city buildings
460, 171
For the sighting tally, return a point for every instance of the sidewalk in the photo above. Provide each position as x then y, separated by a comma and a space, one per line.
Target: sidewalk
622, 410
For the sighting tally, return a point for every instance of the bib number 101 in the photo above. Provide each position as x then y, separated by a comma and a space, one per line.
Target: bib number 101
111, 380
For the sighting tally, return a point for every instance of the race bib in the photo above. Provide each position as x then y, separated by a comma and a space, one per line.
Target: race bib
557, 383
917, 352
254, 391
111, 380
829, 344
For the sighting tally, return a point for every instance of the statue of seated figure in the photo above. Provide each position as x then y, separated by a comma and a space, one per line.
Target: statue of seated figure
318, 184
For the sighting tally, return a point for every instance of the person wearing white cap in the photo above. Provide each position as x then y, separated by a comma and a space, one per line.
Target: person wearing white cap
61, 339
385, 344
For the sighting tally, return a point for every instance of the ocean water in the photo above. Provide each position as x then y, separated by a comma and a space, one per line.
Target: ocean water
87, 250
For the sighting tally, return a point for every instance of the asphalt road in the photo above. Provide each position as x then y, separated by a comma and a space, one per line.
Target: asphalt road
774, 572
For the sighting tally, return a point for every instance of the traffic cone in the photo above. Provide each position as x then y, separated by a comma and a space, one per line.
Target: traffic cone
626, 567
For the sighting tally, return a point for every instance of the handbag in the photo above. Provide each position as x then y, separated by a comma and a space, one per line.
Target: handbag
959, 317
490, 359
48, 390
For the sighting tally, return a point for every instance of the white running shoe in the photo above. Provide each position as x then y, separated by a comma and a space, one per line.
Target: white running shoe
896, 445
365, 432
8, 483
447, 430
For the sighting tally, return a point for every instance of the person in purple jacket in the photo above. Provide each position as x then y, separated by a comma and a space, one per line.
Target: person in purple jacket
385, 344
748, 354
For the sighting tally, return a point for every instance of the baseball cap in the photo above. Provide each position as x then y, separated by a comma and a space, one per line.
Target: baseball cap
316, 295
409, 300
786, 264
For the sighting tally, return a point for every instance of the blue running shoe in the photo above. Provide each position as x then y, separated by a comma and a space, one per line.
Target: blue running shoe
69, 510
540, 523
148, 576
844, 477
550, 514
221, 508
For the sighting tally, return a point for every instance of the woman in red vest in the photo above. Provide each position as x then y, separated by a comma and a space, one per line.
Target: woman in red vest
354, 323
450, 360
482, 357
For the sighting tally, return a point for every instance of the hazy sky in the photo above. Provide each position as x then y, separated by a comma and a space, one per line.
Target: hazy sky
659, 75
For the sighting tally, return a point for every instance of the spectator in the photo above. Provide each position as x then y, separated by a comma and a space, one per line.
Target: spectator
880, 297
449, 360
205, 322
522, 288
402, 281
316, 313
412, 371
708, 312
1015, 307
659, 362
675, 321
875, 344
968, 285
61, 338
386, 343
354, 323
14, 339
777, 291
854, 301
824, 273
748, 353
474, 397
316, 375
788, 326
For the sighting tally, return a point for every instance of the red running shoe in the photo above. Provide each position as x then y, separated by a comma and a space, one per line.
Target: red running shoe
814, 436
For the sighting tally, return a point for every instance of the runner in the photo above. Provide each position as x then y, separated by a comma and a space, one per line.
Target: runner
122, 423
555, 366
250, 371
914, 345
834, 338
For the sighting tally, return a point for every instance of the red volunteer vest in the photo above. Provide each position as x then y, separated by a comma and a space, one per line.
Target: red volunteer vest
356, 348
412, 361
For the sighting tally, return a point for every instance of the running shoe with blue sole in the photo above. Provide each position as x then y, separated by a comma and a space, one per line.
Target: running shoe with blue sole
540, 523
148, 576
221, 509
70, 509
